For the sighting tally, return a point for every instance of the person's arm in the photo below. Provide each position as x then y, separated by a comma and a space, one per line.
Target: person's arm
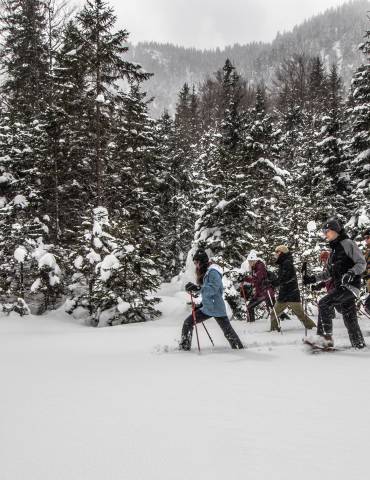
354, 253
249, 279
212, 285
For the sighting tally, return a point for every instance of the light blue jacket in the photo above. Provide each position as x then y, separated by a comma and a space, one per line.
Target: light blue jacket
212, 293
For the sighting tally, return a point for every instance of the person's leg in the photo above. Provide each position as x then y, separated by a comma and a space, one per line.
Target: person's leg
326, 305
349, 313
297, 309
320, 329
187, 329
278, 309
251, 306
229, 332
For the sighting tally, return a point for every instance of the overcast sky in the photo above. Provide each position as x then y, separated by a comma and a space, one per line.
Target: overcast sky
212, 23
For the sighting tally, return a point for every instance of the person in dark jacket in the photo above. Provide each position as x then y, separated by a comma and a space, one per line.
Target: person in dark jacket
366, 236
209, 278
263, 292
345, 267
289, 295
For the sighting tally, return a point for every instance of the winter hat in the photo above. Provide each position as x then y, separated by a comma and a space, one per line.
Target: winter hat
281, 249
333, 224
252, 257
201, 256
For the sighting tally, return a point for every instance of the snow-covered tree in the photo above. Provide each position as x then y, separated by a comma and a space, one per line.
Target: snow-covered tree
113, 281
359, 144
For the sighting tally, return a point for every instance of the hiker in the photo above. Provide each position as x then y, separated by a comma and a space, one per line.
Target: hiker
263, 291
345, 267
366, 236
209, 284
289, 294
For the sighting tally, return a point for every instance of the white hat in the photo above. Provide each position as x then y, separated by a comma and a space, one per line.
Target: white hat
252, 256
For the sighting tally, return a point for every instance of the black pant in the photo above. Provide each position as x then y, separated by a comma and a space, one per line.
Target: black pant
320, 329
223, 322
343, 299
252, 305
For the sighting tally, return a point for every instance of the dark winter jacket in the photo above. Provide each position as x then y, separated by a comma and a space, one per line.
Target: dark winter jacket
367, 272
259, 280
345, 257
287, 277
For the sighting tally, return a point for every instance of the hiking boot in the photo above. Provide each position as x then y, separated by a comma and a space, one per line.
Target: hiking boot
357, 340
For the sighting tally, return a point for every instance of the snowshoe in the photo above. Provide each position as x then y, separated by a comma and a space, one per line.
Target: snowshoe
318, 343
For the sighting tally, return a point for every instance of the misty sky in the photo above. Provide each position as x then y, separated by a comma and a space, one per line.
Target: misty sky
211, 23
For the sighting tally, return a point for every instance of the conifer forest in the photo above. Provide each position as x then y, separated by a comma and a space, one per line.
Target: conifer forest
100, 203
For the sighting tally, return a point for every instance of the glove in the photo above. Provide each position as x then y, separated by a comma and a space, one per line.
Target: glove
308, 279
191, 287
317, 288
348, 278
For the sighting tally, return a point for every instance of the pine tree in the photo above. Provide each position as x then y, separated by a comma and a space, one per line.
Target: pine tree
359, 144
328, 184
103, 51
113, 282
24, 58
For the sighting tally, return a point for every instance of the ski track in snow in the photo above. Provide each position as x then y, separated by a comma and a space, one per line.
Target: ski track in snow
80, 403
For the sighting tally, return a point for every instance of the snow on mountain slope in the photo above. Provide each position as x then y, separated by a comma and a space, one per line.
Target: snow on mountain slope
334, 35
122, 403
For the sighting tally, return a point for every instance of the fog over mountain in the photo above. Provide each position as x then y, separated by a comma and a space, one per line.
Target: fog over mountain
334, 35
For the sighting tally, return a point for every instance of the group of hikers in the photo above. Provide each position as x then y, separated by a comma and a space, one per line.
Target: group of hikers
344, 267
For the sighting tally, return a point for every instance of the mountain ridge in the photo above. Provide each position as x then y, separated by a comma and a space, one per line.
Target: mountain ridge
334, 35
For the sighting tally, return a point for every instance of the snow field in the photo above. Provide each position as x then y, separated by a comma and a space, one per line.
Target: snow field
122, 403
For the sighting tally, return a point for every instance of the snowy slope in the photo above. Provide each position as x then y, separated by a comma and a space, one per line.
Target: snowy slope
120, 403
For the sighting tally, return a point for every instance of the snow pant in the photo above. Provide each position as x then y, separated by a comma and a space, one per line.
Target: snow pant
254, 303
320, 329
367, 304
346, 301
223, 322
296, 308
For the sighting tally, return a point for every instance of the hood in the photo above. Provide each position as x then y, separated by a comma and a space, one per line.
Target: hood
216, 267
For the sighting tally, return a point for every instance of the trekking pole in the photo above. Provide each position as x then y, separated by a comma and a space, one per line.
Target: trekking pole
304, 294
194, 319
246, 303
273, 309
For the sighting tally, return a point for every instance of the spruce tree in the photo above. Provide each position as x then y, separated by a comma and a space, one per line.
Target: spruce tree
359, 142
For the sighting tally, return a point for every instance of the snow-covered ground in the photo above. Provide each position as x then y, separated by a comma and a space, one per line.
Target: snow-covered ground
79, 403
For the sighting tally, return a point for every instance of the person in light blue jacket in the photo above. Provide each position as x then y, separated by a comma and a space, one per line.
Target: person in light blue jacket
209, 283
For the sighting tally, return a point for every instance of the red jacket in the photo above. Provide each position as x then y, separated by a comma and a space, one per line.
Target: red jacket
259, 280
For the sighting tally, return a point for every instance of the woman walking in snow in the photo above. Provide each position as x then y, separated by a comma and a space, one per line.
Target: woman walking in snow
209, 279
263, 290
